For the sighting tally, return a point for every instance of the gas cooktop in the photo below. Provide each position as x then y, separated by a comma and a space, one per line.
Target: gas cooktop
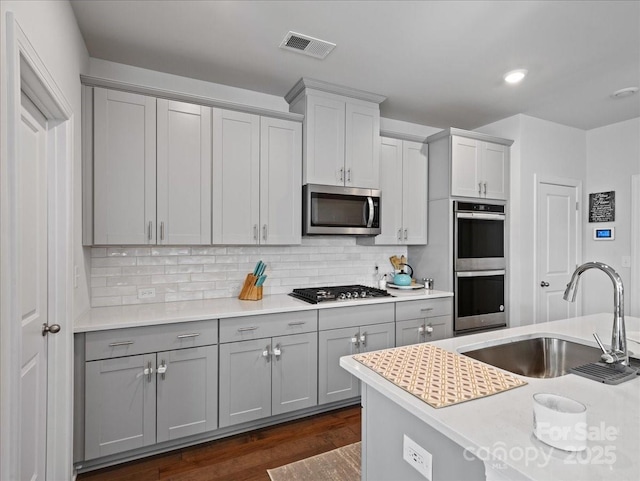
314, 295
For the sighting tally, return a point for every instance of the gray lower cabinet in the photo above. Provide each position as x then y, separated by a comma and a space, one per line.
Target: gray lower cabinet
148, 385
265, 376
423, 321
334, 383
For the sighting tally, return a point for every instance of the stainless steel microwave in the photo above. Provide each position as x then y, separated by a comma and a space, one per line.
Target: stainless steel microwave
333, 210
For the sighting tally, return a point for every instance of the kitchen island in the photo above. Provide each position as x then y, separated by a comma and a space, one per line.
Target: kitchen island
491, 437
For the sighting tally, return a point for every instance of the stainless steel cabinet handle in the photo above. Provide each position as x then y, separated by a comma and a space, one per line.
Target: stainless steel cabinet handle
266, 354
479, 187
348, 175
255, 232
264, 231
244, 329
544, 284
186, 336
341, 175
162, 369
406, 234
399, 234
162, 230
297, 323
121, 343
421, 330
485, 188
277, 352
354, 340
425, 309
363, 339
149, 229
148, 371
428, 329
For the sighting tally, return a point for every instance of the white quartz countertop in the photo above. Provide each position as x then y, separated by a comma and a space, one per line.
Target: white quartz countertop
103, 318
498, 428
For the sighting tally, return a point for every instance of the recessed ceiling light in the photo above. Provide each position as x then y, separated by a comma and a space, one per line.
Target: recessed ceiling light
624, 92
515, 76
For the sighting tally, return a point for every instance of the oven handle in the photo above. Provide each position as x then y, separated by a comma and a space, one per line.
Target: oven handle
479, 215
501, 272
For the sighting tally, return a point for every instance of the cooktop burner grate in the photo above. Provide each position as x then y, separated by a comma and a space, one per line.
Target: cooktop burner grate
314, 295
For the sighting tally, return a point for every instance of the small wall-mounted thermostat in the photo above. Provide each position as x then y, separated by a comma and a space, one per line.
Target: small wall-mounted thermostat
604, 234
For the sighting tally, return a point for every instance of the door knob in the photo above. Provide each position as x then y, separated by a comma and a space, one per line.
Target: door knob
53, 329
544, 284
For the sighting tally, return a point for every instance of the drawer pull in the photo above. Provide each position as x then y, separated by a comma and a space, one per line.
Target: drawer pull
148, 371
186, 336
122, 343
426, 309
297, 323
429, 329
245, 329
162, 369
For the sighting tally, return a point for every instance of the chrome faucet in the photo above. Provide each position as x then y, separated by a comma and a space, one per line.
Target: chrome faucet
618, 353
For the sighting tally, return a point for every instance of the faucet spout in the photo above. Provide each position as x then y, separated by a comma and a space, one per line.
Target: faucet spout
618, 352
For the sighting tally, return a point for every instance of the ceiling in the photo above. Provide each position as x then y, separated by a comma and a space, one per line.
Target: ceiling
439, 63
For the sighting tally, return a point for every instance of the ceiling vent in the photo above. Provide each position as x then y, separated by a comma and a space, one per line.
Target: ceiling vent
306, 45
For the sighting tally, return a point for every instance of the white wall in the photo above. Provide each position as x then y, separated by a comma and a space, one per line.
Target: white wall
613, 156
540, 148
51, 28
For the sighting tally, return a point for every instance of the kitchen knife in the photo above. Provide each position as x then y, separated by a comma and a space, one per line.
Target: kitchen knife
262, 268
261, 280
256, 269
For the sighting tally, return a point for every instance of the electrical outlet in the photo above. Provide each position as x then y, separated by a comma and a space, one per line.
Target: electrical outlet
147, 293
418, 457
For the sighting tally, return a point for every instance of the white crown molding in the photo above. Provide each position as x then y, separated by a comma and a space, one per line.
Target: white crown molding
308, 83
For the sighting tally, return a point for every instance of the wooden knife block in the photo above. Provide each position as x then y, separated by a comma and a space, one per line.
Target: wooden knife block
249, 291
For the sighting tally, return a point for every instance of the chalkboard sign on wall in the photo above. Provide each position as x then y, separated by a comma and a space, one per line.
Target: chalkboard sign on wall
602, 207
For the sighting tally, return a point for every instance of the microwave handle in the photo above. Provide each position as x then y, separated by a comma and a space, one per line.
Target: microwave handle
371, 212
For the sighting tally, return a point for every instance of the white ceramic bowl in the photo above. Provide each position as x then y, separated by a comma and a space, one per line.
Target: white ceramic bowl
560, 422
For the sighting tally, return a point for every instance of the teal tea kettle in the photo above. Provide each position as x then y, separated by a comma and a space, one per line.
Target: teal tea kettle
403, 279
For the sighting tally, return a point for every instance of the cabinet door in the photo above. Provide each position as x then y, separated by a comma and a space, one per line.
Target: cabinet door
409, 332
295, 372
184, 173
362, 146
324, 141
377, 336
465, 167
334, 383
414, 193
495, 171
187, 396
391, 186
236, 177
245, 381
280, 181
120, 405
124, 168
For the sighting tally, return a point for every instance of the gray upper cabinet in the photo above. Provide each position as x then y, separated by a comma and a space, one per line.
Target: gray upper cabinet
183, 173
403, 181
341, 134
124, 168
256, 179
468, 164
274, 374
151, 171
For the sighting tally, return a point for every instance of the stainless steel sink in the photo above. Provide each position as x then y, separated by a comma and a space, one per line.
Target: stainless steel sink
541, 357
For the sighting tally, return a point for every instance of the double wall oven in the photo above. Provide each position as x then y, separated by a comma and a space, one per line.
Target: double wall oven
479, 266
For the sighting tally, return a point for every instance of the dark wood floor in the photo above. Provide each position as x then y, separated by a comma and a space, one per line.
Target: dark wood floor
245, 457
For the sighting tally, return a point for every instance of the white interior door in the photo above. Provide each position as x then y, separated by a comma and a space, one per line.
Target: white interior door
556, 249
32, 288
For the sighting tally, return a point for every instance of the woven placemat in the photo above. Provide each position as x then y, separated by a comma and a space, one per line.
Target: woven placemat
438, 377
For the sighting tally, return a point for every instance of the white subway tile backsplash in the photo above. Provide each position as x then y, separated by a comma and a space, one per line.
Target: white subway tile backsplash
180, 273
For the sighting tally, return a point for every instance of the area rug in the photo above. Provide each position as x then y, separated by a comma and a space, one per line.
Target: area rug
342, 464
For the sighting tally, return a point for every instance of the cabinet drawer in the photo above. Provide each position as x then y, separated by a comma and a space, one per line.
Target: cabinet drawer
424, 308
268, 325
140, 340
339, 317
